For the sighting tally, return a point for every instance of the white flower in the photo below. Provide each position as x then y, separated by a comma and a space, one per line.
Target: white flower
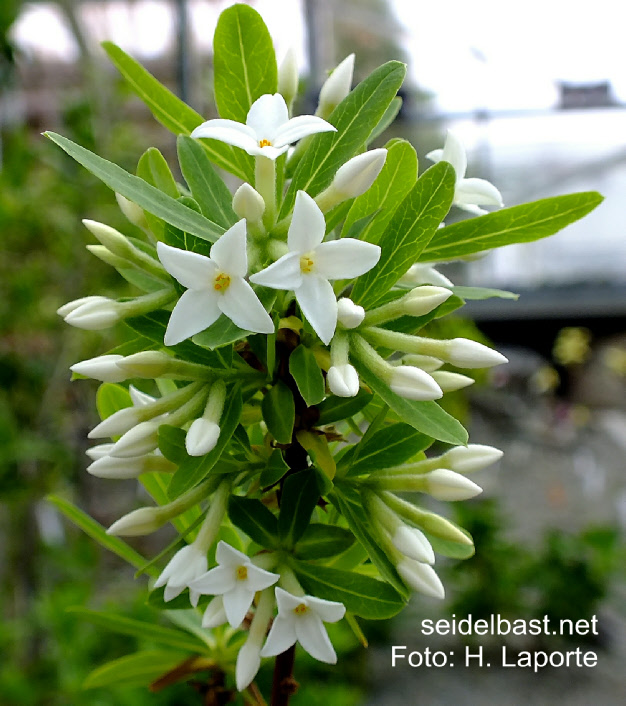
301, 618
236, 579
186, 565
343, 380
309, 265
215, 285
469, 194
214, 615
268, 131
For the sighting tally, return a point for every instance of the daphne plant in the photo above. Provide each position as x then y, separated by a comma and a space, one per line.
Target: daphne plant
292, 394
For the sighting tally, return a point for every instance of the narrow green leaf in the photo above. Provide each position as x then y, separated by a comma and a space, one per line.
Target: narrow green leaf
175, 115
426, 417
279, 412
355, 118
139, 669
140, 192
275, 469
153, 168
519, 224
477, 293
253, 518
243, 60
323, 541
388, 117
206, 185
336, 409
361, 595
96, 531
410, 229
307, 374
297, 501
185, 241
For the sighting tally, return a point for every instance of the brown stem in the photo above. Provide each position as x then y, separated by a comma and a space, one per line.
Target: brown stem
284, 685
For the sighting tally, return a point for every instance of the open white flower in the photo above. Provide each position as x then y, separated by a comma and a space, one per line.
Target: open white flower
302, 618
469, 194
187, 564
309, 265
236, 579
268, 131
215, 285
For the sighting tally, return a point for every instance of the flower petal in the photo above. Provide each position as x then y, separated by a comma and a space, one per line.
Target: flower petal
318, 303
139, 398
172, 591
242, 306
454, 153
285, 273
266, 115
477, 191
258, 579
230, 132
215, 614
195, 310
435, 155
286, 601
299, 127
237, 603
329, 611
229, 251
229, 556
248, 663
192, 270
219, 580
345, 258
313, 637
307, 227
281, 637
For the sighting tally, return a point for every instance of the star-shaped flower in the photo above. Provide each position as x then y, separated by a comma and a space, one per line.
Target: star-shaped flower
268, 131
309, 265
215, 285
469, 194
187, 564
301, 618
236, 579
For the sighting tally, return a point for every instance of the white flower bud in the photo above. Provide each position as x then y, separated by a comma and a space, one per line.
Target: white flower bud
444, 484
146, 364
95, 315
413, 544
248, 663
414, 384
450, 382
349, 314
109, 237
117, 468
133, 212
99, 451
422, 300
248, 203
214, 615
77, 303
139, 440
116, 424
103, 368
137, 523
424, 274
139, 398
288, 77
465, 353
421, 577
343, 380
467, 459
357, 175
201, 437
336, 87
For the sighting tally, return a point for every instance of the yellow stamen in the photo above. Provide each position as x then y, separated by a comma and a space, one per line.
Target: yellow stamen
265, 143
306, 263
242, 573
301, 609
221, 282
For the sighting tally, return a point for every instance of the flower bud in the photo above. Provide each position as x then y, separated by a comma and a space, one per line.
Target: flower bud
470, 354
108, 257
133, 212
343, 380
413, 544
422, 300
424, 274
103, 368
349, 314
138, 523
336, 87
421, 577
99, 451
288, 77
413, 384
444, 484
201, 437
139, 398
248, 663
357, 175
117, 423
77, 303
450, 382
139, 440
248, 203
467, 459
425, 362
214, 615
119, 468
95, 315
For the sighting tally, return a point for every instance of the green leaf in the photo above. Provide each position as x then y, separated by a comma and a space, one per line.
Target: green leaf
275, 469
361, 595
387, 447
172, 443
279, 412
410, 229
140, 192
323, 541
336, 409
153, 168
96, 531
196, 468
175, 115
426, 417
297, 501
139, 669
243, 60
483, 293
206, 186
185, 241
519, 224
388, 117
176, 639
355, 118
110, 398
253, 518
396, 179
307, 374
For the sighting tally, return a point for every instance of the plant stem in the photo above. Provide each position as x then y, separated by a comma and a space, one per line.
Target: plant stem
284, 685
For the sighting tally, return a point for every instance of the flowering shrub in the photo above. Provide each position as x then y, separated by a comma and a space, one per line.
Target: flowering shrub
296, 398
